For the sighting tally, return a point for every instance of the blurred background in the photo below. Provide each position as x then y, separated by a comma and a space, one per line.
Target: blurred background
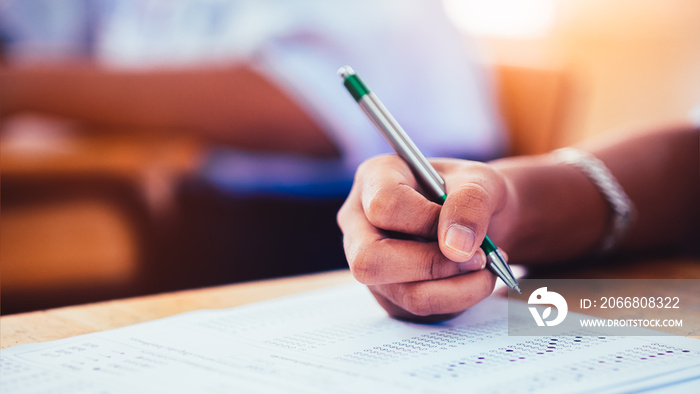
92, 209
623, 64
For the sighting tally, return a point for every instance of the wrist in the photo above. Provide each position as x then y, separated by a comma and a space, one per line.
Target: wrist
553, 212
599, 174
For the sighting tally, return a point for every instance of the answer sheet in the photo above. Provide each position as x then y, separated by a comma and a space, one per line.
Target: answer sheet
339, 340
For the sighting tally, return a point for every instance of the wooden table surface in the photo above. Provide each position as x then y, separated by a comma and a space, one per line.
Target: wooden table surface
64, 322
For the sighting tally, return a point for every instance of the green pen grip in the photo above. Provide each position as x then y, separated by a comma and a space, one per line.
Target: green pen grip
356, 87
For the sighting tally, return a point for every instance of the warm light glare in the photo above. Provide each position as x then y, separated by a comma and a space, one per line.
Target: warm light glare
502, 18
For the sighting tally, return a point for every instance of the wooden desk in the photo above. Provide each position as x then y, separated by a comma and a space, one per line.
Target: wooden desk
65, 322
82, 319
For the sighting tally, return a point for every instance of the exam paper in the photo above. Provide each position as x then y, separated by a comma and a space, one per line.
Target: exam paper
339, 340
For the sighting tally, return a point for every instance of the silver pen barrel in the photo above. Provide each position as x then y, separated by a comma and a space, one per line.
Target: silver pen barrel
402, 144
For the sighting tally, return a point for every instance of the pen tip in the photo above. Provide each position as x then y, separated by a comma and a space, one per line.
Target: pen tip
517, 288
346, 71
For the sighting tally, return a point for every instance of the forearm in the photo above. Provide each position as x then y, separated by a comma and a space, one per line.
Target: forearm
660, 171
561, 214
234, 105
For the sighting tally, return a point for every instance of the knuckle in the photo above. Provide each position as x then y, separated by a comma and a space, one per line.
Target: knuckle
474, 199
436, 266
475, 194
483, 288
395, 207
424, 219
417, 302
342, 216
381, 208
487, 285
369, 165
362, 169
363, 265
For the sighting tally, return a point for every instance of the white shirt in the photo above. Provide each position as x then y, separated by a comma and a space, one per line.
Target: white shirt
407, 51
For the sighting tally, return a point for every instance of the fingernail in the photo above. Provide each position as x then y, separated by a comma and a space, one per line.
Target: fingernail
478, 261
460, 239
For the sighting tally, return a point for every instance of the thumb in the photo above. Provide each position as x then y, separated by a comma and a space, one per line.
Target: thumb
464, 219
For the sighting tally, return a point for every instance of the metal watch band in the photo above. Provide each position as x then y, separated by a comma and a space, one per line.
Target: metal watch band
600, 175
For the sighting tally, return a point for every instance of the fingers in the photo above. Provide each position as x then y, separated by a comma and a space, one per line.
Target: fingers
434, 269
396, 261
399, 313
376, 259
390, 199
434, 300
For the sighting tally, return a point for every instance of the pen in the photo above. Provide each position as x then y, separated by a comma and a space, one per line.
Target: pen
407, 150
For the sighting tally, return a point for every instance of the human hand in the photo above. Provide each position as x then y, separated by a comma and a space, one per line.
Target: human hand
420, 260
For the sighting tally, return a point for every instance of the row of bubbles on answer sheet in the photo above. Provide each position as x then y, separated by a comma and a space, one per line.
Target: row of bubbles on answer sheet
523, 352
653, 357
499, 360
426, 344
331, 335
17, 375
242, 321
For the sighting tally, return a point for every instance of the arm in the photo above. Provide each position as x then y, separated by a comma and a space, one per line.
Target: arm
233, 105
562, 213
537, 209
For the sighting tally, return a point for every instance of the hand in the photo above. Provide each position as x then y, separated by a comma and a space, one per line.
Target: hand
420, 260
